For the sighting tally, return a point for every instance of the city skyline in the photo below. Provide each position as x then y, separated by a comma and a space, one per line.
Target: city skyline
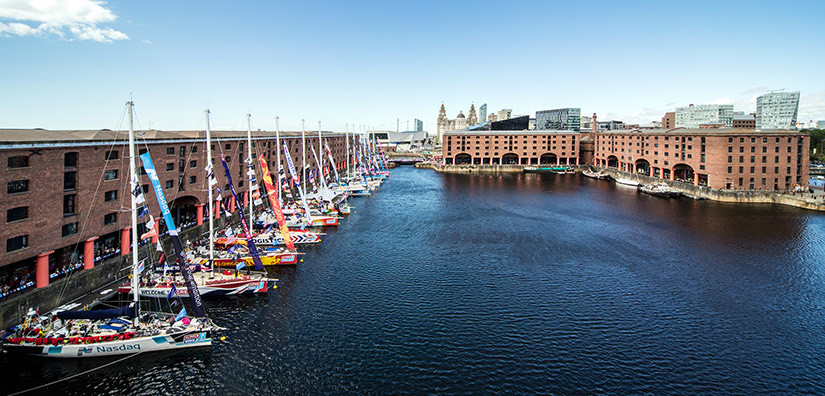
361, 63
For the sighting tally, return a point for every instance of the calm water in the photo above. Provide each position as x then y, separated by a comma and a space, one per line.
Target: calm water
513, 284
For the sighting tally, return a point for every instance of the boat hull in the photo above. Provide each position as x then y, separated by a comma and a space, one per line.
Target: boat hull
276, 259
179, 340
217, 288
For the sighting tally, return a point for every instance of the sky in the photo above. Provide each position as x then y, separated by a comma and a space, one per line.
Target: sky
357, 64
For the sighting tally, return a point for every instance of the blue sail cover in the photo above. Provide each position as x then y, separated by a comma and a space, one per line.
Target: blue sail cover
98, 314
197, 305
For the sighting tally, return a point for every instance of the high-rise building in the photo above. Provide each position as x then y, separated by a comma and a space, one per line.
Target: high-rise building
693, 116
777, 110
568, 119
418, 125
820, 125
504, 114
482, 113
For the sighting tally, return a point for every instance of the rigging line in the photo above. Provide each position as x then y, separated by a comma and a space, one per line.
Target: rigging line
75, 375
85, 222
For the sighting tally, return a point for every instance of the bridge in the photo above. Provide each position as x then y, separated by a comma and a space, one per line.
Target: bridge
406, 160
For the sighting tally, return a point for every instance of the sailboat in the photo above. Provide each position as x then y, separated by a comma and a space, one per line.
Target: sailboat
119, 331
210, 283
251, 256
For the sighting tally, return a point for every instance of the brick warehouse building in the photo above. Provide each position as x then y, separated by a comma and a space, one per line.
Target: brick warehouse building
66, 193
716, 158
526, 147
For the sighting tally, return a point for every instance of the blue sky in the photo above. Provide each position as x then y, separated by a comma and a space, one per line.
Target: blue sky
72, 64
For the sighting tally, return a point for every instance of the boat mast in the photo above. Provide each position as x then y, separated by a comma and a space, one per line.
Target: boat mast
278, 152
346, 141
303, 156
321, 159
250, 166
209, 187
135, 185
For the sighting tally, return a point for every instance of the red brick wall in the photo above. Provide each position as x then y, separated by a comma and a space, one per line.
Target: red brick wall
46, 172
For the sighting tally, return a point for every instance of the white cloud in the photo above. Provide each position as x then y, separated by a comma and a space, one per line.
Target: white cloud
66, 19
722, 101
147, 42
812, 107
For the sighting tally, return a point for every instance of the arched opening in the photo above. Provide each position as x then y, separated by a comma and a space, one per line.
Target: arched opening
463, 159
683, 172
548, 158
643, 167
509, 159
184, 212
612, 162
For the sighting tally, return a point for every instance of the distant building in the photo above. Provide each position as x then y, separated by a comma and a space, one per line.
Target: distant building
511, 124
610, 125
460, 122
586, 122
669, 120
482, 113
567, 119
820, 125
418, 125
511, 147
693, 116
742, 120
777, 110
472, 118
717, 158
403, 140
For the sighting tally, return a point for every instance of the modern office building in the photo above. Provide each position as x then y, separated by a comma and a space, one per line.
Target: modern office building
718, 158
567, 119
482, 113
820, 125
693, 116
777, 110
418, 125
612, 125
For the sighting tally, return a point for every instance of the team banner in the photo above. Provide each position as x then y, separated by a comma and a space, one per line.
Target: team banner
271, 191
317, 164
381, 152
297, 181
197, 304
259, 266
332, 161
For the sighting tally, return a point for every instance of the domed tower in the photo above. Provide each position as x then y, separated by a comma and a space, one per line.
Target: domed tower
442, 121
460, 121
472, 118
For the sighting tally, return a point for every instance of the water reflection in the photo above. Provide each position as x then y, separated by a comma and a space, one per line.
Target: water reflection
517, 283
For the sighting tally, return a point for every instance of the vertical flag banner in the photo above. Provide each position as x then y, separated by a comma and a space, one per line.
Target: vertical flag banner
297, 182
197, 304
253, 251
271, 191
332, 161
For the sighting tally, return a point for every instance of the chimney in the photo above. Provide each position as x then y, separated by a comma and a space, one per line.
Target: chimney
595, 123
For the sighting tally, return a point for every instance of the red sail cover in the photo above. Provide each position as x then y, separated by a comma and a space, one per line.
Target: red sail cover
276, 207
